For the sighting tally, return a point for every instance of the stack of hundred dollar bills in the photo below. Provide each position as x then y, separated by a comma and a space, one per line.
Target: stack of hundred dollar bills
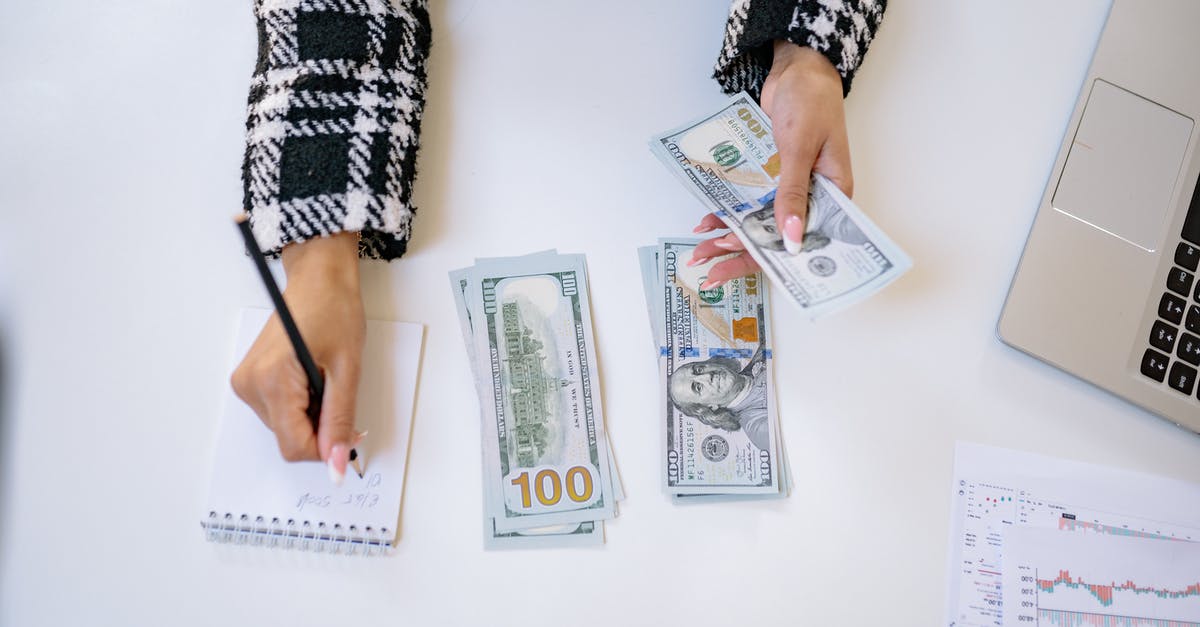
548, 475
729, 161
721, 430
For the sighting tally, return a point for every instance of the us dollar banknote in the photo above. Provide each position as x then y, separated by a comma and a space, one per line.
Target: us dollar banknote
547, 467
571, 534
648, 260
728, 159
721, 431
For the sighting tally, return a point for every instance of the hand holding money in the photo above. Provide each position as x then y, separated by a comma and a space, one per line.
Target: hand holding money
730, 161
803, 98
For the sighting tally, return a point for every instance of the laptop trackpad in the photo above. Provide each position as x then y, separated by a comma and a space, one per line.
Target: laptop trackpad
1122, 167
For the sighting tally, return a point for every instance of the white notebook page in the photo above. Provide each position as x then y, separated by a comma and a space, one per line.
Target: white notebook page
251, 479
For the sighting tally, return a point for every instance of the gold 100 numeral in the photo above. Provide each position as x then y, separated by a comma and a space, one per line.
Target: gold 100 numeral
751, 123
556, 486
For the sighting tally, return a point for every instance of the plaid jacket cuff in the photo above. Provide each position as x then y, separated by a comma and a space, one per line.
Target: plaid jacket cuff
334, 115
839, 29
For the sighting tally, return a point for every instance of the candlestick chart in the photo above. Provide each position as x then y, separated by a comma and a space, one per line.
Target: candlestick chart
1101, 580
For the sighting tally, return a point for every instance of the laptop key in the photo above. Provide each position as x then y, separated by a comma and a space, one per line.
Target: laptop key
1180, 281
1162, 336
1183, 377
1193, 319
1189, 348
1170, 308
1154, 364
1187, 256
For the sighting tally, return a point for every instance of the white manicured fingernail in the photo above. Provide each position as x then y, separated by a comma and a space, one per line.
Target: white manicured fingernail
339, 456
793, 234
336, 477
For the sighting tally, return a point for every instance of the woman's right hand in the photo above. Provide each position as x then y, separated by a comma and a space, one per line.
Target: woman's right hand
803, 97
325, 299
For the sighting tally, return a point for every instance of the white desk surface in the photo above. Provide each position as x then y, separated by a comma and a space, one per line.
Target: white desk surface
121, 276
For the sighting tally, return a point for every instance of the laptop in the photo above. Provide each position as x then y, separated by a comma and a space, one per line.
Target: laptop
1107, 286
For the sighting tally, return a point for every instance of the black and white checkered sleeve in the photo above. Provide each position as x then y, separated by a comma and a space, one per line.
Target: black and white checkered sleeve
839, 29
334, 115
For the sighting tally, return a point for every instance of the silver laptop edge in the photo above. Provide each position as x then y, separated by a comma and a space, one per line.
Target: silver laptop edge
1087, 290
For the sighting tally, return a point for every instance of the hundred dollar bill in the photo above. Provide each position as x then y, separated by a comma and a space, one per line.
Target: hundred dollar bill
721, 428
460, 276
546, 452
729, 160
648, 261
573, 534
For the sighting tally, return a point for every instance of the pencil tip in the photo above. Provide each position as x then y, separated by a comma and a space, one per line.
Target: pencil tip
241, 217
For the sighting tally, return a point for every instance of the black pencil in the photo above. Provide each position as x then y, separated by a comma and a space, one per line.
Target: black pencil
316, 383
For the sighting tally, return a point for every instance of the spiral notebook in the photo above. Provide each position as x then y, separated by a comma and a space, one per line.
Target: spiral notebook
258, 498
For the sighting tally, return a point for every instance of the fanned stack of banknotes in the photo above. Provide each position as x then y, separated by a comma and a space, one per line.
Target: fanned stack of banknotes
549, 478
722, 439
548, 473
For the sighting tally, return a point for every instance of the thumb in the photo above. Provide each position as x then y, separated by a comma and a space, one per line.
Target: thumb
791, 199
335, 432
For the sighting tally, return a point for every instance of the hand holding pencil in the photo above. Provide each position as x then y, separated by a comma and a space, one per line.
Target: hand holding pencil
325, 301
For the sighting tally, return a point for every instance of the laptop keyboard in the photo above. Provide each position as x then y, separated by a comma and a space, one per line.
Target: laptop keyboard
1174, 353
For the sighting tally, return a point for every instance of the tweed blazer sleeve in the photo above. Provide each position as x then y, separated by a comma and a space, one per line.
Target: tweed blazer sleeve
333, 120
839, 29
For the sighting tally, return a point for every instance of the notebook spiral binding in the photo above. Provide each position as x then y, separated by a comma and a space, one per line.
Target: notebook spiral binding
292, 534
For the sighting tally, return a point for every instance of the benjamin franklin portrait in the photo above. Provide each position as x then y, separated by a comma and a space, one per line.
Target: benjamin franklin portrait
722, 392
